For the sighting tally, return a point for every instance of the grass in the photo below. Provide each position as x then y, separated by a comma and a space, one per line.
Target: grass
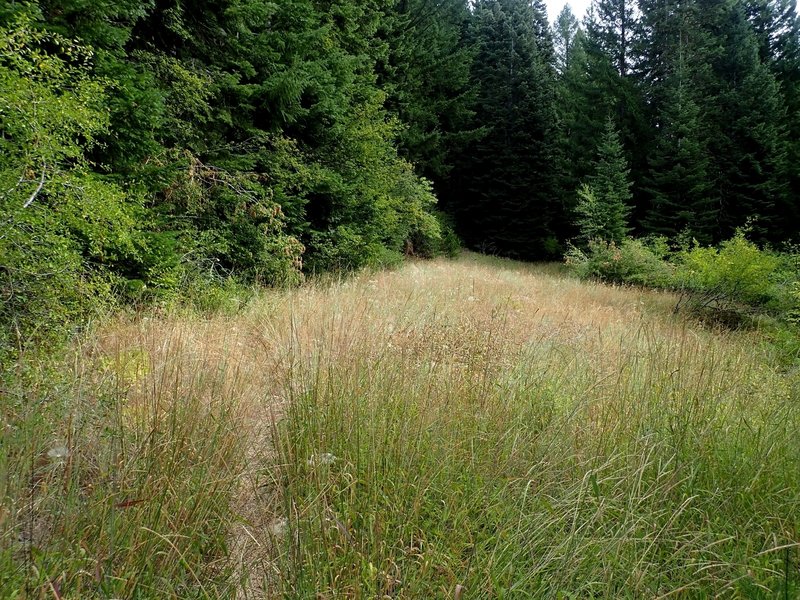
469, 429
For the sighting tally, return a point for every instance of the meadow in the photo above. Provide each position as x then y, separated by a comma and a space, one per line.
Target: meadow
476, 428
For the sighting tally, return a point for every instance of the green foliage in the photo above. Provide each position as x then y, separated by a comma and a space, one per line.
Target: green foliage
592, 218
736, 274
603, 203
727, 283
235, 226
446, 243
506, 179
565, 34
63, 226
425, 74
679, 182
632, 261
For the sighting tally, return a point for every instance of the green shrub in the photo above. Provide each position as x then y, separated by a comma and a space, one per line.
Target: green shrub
444, 242
63, 225
632, 261
736, 275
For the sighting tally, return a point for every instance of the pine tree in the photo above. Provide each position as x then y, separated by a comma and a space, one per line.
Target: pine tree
426, 76
565, 30
748, 124
508, 203
604, 202
777, 29
681, 191
674, 75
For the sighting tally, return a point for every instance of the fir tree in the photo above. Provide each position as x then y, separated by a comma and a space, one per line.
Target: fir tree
681, 191
748, 127
426, 76
565, 31
604, 202
508, 202
777, 28
674, 75
610, 24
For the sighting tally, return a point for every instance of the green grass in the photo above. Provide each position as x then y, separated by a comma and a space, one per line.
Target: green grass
116, 478
475, 429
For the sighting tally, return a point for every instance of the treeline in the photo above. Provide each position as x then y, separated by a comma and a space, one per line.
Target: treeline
151, 147
702, 94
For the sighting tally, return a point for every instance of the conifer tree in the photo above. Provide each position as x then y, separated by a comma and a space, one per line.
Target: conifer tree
679, 184
777, 28
674, 75
426, 76
565, 31
604, 202
610, 26
748, 124
508, 204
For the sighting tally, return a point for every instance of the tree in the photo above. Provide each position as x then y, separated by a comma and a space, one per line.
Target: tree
565, 30
611, 89
64, 228
425, 74
679, 184
748, 125
777, 28
508, 204
610, 25
603, 205
675, 75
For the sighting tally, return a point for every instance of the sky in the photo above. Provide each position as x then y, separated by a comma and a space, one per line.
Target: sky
578, 7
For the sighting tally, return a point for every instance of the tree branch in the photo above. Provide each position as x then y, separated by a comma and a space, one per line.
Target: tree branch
37, 190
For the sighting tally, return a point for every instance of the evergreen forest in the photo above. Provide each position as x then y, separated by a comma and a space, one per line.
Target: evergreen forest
150, 148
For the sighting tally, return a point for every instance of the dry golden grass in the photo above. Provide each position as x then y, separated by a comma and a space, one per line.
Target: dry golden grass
543, 390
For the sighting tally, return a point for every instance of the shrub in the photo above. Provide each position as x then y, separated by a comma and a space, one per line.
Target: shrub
443, 242
63, 225
737, 274
632, 261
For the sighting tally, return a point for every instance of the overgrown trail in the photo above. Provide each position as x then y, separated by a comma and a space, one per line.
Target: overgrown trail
477, 427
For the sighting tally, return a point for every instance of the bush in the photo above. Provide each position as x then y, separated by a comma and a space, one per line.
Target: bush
63, 225
443, 242
736, 275
637, 262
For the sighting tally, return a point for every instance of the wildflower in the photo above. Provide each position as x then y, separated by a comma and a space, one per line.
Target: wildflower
58, 453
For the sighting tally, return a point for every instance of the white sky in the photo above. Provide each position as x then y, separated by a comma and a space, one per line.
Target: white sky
578, 7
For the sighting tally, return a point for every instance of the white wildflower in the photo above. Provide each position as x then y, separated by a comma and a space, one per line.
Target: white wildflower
58, 453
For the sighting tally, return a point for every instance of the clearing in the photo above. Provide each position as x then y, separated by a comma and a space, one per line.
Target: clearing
476, 428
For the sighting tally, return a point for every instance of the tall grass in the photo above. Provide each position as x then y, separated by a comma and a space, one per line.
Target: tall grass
468, 429
493, 432
117, 472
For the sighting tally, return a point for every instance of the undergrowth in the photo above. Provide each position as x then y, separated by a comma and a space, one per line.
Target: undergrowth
116, 475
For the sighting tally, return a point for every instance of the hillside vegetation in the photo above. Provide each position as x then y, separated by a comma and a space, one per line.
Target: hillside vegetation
471, 429
151, 151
